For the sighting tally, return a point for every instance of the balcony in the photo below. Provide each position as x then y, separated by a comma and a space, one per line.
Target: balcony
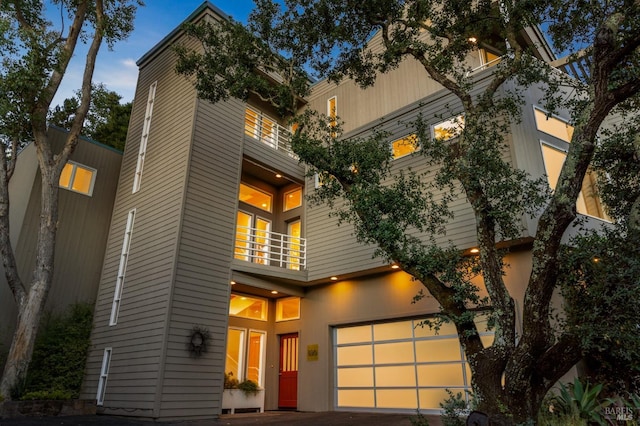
270, 248
266, 130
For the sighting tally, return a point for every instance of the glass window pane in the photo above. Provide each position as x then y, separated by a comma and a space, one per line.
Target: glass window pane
393, 331
251, 123
254, 356
394, 353
82, 180
444, 375
355, 377
243, 238
235, 353
288, 309
423, 330
396, 376
553, 126
294, 241
255, 197
261, 242
65, 176
356, 398
396, 398
438, 350
405, 146
248, 307
430, 399
293, 199
354, 355
353, 334
448, 129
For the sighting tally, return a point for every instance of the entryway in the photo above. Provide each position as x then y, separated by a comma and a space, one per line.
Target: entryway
288, 382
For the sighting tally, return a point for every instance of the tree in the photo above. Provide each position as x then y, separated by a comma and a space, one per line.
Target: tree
329, 37
107, 120
36, 55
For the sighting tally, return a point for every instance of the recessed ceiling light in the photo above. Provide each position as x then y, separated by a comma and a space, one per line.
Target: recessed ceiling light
232, 282
473, 39
278, 175
274, 291
474, 250
334, 278
395, 266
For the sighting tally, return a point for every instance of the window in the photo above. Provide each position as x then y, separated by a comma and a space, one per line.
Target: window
553, 126
144, 139
77, 178
245, 348
448, 129
405, 146
294, 244
255, 197
252, 240
104, 373
248, 307
288, 309
488, 58
292, 199
332, 109
588, 202
124, 257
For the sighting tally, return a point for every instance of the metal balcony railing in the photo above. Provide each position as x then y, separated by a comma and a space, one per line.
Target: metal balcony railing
270, 248
266, 130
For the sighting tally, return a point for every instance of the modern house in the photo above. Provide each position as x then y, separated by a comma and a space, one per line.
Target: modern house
212, 243
88, 185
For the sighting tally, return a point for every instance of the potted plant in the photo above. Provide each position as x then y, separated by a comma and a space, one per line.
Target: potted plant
245, 395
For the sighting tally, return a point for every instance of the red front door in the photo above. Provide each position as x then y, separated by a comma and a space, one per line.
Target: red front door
288, 390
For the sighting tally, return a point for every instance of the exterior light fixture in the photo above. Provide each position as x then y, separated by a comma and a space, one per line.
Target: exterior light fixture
232, 282
473, 39
474, 250
334, 278
278, 175
274, 291
394, 266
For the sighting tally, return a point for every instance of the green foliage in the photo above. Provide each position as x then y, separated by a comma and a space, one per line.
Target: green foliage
60, 354
107, 120
455, 409
576, 404
600, 279
55, 394
248, 387
419, 419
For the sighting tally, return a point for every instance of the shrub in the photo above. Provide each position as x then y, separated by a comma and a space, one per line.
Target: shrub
52, 394
60, 354
455, 408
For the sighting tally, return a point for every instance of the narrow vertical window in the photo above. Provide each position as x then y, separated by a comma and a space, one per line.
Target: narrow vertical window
146, 127
124, 256
104, 372
332, 112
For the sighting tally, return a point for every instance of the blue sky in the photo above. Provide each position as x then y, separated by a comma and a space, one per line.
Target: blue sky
117, 68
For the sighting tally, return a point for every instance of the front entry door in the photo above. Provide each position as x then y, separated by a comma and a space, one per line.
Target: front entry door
288, 390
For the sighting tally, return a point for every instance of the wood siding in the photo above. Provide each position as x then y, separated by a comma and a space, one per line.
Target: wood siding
139, 337
82, 228
193, 386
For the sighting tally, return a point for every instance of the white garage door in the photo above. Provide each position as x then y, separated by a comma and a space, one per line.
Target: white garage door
399, 365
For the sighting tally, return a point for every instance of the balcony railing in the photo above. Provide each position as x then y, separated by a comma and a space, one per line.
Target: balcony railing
266, 130
270, 248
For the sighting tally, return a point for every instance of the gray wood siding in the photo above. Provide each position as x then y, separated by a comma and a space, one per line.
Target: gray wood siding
82, 227
193, 386
138, 339
337, 253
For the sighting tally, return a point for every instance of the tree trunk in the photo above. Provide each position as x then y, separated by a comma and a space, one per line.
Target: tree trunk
30, 311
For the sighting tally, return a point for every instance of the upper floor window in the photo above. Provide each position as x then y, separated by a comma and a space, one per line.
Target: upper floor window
448, 129
77, 178
405, 146
553, 125
255, 197
487, 58
144, 139
292, 199
588, 202
332, 109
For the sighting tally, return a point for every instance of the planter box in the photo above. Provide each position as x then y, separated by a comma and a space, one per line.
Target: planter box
235, 399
